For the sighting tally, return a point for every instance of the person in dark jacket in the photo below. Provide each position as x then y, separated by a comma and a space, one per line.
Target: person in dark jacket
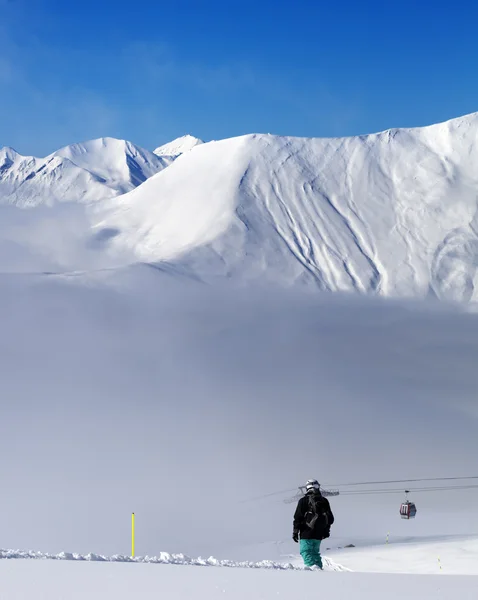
312, 520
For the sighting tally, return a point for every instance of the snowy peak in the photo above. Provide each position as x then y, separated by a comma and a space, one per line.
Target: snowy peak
117, 162
7, 153
178, 146
8, 156
85, 172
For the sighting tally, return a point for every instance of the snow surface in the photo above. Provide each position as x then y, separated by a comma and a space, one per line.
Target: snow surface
445, 556
178, 146
52, 580
191, 208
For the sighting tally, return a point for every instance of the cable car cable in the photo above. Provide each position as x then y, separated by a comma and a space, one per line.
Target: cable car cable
413, 490
358, 483
397, 481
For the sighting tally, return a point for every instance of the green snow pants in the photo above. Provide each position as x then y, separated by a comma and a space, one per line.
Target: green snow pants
310, 552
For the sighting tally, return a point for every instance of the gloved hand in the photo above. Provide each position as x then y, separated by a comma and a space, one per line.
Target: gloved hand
295, 536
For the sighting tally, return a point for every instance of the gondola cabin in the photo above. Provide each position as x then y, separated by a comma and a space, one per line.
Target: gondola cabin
408, 510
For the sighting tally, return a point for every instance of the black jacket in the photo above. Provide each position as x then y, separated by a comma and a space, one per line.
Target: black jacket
322, 527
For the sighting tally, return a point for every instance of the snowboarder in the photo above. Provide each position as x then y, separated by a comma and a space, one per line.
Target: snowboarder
312, 520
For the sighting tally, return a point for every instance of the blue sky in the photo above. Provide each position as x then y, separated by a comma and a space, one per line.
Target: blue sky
153, 70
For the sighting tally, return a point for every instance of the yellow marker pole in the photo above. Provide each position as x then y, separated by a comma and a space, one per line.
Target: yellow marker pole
132, 535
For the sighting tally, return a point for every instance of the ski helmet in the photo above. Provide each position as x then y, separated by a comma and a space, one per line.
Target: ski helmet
312, 485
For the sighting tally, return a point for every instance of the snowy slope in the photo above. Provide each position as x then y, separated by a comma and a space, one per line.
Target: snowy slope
47, 580
81, 173
178, 146
446, 556
452, 556
394, 213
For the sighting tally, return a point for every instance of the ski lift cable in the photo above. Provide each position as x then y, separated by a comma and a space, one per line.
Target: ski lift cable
357, 483
413, 490
289, 491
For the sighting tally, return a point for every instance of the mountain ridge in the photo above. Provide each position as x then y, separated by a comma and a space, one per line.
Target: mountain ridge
81, 172
392, 213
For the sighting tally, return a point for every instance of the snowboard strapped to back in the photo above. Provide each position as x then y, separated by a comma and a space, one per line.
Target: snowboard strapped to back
316, 517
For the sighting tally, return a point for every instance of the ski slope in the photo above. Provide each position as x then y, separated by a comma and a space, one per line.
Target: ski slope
48, 579
455, 556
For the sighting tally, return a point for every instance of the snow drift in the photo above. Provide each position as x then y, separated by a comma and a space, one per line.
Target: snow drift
164, 558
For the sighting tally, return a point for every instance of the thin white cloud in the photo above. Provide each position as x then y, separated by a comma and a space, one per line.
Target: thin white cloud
46, 116
155, 64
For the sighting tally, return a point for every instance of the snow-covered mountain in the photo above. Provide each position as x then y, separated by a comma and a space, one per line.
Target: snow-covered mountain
178, 146
394, 213
118, 162
83, 173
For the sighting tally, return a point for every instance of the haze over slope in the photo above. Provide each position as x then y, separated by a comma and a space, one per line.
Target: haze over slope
393, 213
130, 390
